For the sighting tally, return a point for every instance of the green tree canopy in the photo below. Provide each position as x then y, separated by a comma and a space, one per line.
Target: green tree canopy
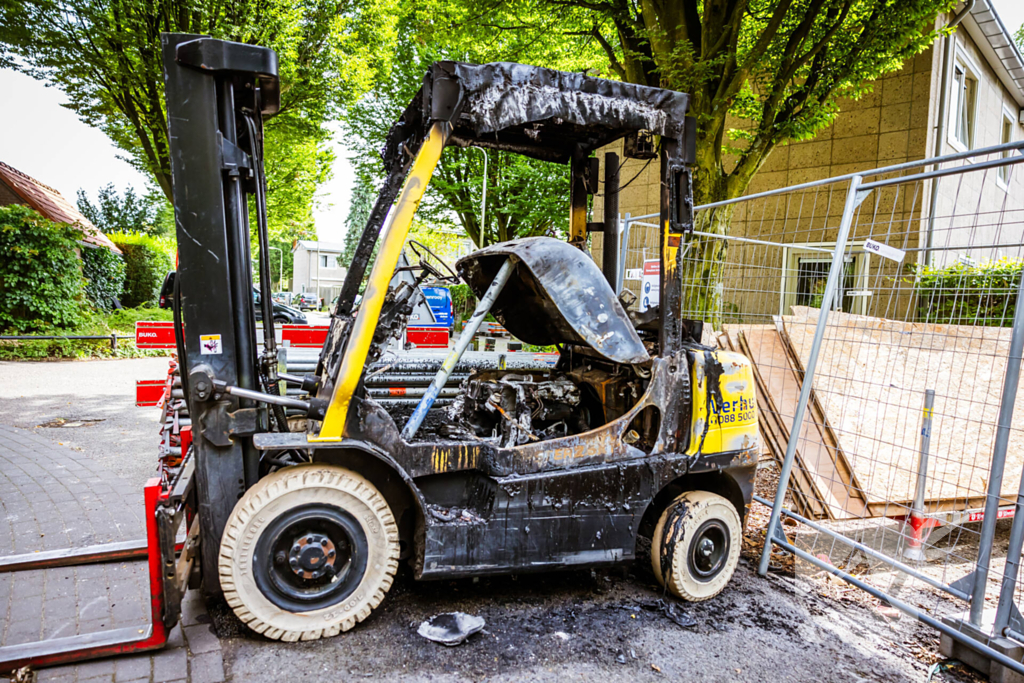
524, 196
127, 212
105, 55
778, 65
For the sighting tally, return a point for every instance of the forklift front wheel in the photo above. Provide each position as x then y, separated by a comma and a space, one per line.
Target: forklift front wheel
696, 545
308, 552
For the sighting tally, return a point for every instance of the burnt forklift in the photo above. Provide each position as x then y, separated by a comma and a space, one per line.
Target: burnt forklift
306, 507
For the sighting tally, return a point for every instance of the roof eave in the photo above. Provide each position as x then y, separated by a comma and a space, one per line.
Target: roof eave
996, 43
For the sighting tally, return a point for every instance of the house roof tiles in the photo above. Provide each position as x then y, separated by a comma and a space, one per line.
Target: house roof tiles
51, 204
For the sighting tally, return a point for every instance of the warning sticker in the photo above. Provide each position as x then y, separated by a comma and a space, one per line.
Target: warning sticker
650, 284
209, 344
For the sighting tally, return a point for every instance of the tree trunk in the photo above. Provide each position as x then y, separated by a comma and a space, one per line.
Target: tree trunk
703, 264
704, 257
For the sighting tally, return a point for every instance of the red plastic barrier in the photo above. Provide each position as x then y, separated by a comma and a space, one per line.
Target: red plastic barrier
154, 334
148, 392
304, 336
427, 337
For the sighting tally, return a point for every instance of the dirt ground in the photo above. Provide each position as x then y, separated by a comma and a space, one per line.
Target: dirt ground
584, 625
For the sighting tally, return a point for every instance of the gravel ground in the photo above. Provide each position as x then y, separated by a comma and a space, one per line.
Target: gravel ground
586, 625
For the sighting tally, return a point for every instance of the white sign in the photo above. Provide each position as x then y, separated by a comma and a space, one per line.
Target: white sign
209, 345
885, 251
634, 274
650, 285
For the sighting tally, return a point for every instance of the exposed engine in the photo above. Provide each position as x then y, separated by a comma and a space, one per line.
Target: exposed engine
514, 408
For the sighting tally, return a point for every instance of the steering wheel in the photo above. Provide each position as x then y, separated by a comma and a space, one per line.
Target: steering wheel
422, 251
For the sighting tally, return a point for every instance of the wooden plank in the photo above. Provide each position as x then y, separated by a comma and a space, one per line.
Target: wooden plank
763, 345
870, 381
806, 499
820, 418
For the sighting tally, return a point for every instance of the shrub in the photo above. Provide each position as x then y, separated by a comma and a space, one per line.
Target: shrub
41, 280
104, 275
147, 260
963, 294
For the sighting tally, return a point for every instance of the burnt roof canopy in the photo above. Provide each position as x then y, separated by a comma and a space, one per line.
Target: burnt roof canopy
533, 111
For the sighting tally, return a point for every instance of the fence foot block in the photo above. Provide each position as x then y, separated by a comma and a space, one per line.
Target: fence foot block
997, 673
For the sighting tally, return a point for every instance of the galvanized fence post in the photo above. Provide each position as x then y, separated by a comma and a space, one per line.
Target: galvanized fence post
915, 551
995, 482
1013, 553
853, 199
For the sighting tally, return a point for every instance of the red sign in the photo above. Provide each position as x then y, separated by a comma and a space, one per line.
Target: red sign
304, 336
154, 334
427, 337
148, 392
1002, 513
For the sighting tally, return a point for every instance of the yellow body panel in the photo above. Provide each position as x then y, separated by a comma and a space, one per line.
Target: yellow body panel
731, 426
392, 242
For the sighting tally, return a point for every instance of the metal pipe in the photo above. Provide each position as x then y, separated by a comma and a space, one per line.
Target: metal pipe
1012, 567
610, 249
949, 170
483, 307
931, 161
260, 396
871, 552
995, 481
623, 249
853, 198
263, 243
915, 552
409, 392
483, 200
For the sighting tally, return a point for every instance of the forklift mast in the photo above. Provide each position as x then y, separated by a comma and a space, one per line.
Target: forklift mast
216, 92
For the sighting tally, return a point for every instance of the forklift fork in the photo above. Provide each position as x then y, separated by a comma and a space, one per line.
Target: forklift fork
165, 510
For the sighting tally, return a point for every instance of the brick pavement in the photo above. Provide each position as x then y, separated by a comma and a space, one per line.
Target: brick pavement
53, 497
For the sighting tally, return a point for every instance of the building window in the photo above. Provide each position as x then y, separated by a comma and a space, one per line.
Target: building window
807, 273
1006, 136
963, 104
323, 261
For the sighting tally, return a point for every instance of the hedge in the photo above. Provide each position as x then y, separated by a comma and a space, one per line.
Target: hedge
104, 274
147, 260
962, 294
41, 284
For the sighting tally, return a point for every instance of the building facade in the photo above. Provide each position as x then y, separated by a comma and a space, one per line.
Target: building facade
317, 268
966, 92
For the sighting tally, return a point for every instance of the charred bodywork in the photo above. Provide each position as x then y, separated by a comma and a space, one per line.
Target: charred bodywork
532, 469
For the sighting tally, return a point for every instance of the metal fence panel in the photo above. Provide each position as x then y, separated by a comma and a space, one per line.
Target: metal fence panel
886, 345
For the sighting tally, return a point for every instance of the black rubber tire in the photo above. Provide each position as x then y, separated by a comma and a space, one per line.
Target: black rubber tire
673, 544
275, 495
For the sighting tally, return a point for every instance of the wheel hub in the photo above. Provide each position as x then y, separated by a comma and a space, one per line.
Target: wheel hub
709, 550
312, 555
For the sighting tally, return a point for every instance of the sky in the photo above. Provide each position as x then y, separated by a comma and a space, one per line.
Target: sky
43, 139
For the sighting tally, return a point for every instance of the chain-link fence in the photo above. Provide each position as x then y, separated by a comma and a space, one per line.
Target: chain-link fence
879, 313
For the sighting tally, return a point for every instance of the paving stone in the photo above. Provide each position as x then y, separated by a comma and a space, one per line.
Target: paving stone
100, 667
134, 667
169, 665
201, 638
206, 668
62, 674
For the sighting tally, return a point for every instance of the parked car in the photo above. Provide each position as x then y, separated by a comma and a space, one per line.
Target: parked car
167, 291
283, 297
282, 314
306, 301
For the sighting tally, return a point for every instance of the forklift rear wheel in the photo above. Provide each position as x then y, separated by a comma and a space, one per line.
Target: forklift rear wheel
696, 545
308, 552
